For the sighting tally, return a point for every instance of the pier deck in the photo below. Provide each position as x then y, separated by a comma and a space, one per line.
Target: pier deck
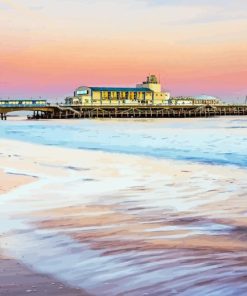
126, 111
139, 111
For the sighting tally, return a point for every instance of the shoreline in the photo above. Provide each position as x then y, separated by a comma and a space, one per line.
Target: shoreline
89, 207
18, 279
12, 181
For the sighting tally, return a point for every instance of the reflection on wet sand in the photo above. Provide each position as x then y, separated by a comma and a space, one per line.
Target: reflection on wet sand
202, 247
130, 230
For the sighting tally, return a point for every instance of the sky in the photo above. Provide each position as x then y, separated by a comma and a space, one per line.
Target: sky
50, 47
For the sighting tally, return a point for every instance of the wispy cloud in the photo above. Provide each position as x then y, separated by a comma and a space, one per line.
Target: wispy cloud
205, 11
4, 5
36, 7
222, 3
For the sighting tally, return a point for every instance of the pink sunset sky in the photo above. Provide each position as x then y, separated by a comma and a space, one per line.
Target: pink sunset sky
50, 47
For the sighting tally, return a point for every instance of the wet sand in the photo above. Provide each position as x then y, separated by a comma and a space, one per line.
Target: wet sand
10, 181
129, 225
16, 279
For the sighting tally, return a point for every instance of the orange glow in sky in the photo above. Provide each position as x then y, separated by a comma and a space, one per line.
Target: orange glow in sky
50, 47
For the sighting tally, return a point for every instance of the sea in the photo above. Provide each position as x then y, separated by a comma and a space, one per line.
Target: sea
211, 140
168, 218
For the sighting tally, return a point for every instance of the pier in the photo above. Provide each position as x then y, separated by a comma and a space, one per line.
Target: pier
146, 100
148, 111
65, 111
3, 116
53, 111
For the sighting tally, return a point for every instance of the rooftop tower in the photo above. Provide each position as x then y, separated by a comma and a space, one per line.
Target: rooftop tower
151, 83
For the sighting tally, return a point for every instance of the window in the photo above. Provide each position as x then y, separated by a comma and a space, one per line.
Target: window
82, 92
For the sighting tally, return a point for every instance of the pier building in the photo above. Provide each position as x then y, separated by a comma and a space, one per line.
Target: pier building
147, 93
200, 100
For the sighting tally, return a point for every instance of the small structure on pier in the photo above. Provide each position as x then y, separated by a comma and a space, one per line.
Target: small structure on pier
39, 107
197, 100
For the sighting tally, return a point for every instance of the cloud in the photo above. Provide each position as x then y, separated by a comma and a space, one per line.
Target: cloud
36, 7
201, 11
221, 3
4, 5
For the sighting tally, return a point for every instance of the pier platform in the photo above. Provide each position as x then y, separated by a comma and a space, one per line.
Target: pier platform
64, 112
125, 111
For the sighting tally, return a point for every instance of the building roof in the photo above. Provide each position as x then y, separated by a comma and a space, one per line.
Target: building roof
205, 97
133, 89
20, 100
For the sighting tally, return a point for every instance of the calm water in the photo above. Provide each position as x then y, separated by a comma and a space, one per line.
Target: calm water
153, 228
218, 141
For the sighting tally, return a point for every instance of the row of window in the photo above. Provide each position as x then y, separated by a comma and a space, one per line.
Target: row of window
18, 102
115, 102
106, 94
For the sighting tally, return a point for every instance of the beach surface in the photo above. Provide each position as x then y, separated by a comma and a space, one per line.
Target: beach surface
117, 224
16, 279
9, 181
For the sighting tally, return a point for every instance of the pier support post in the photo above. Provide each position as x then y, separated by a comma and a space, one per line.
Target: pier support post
3, 116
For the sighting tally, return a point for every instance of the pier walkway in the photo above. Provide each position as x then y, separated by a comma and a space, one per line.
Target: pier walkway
55, 111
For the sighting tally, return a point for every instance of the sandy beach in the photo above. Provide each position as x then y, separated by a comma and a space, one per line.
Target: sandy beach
16, 279
110, 220
9, 181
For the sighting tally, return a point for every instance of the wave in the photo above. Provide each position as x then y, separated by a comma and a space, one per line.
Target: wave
220, 141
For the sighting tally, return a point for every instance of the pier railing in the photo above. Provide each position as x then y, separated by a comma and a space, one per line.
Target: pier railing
125, 111
23, 106
147, 111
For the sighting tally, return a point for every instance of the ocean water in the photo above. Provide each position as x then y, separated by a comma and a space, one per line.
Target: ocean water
168, 219
221, 140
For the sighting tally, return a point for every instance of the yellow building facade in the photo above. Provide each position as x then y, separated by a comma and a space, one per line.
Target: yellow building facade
147, 93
